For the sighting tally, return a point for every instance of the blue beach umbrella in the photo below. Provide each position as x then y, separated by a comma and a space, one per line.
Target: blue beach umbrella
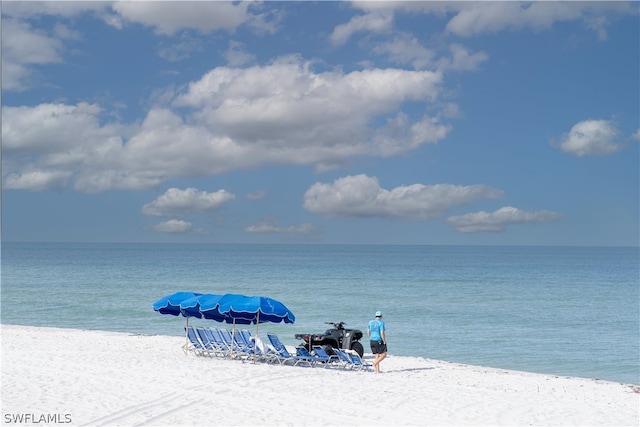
170, 304
210, 308
255, 309
245, 310
207, 306
242, 309
191, 306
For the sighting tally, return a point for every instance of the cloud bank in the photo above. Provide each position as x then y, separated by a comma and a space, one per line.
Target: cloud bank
498, 221
279, 114
362, 196
177, 202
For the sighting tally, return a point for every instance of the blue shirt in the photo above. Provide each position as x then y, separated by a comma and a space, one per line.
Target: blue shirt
376, 326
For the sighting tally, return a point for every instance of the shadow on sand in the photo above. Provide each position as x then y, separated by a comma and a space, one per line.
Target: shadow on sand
407, 370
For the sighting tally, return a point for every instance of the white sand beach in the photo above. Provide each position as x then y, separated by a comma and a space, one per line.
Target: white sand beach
96, 378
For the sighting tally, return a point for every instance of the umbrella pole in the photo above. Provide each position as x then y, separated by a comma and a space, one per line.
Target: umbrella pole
186, 339
255, 347
233, 338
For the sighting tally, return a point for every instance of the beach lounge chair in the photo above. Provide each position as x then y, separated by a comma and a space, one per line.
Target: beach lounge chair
246, 337
206, 345
325, 357
209, 342
235, 350
232, 349
358, 362
345, 359
196, 346
239, 342
253, 347
215, 343
283, 355
301, 351
264, 350
214, 335
225, 336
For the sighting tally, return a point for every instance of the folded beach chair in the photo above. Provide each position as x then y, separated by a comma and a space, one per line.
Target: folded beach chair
283, 355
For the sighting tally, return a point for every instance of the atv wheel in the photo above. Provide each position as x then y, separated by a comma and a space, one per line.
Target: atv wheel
357, 347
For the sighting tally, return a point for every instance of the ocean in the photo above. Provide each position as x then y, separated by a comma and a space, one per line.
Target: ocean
566, 311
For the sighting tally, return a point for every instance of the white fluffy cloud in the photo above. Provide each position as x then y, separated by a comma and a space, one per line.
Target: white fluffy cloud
282, 113
318, 117
59, 145
22, 47
175, 226
167, 17
478, 18
497, 221
362, 196
488, 17
473, 18
378, 21
590, 138
175, 202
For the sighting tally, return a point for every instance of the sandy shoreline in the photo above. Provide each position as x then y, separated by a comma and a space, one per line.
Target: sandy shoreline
76, 377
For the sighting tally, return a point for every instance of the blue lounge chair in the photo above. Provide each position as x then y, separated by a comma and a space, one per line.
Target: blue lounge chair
344, 359
239, 342
215, 336
225, 336
258, 353
326, 358
210, 343
359, 363
283, 355
232, 350
301, 351
265, 350
246, 337
196, 346
207, 348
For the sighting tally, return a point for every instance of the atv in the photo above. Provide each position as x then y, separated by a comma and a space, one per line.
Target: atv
337, 337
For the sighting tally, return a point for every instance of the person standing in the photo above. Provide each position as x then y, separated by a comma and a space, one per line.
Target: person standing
377, 340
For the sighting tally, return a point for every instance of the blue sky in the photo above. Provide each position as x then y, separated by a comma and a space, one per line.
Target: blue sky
479, 123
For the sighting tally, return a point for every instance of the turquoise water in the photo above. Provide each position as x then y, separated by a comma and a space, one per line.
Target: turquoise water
556, 310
